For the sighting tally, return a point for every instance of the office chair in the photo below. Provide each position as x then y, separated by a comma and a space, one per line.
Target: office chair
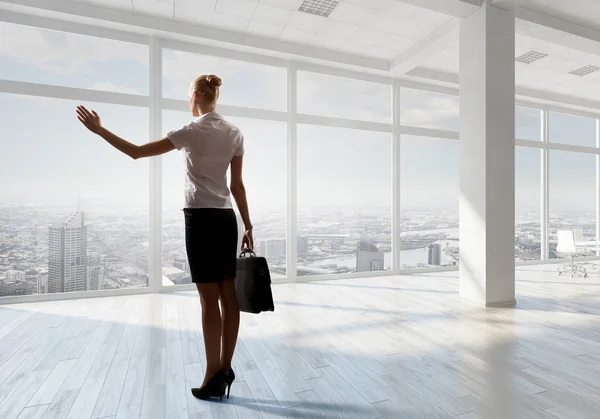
566, 246
579, 239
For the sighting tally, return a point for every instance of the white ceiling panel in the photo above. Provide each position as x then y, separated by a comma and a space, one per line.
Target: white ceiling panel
195, 15
338, 29
307, 22
584, 12
284, 4
351, 13
208, 5
238, 8
273, 15
398, 25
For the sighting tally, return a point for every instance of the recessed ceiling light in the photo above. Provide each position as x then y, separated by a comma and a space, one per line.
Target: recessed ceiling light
530, 57
318, 7
584, 71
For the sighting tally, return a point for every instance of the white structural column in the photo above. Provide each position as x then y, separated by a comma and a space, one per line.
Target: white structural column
155, 233
487, 156
598, 184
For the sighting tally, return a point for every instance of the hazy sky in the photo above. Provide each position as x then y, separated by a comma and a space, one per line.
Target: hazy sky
49, 158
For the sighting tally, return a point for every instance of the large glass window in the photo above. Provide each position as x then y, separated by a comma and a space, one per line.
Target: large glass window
244, 84
528, 201
74, 215
344, 201
429, 202
339, 97
65, 59
572, 194
528, 124
571, 129
265, 178
423, 109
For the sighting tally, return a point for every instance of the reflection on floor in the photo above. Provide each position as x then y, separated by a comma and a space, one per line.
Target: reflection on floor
393, 347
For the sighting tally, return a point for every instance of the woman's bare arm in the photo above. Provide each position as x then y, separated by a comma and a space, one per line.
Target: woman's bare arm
238, 190
92, 121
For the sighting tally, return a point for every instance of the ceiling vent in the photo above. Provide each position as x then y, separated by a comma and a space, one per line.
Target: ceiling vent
530, 57
585, 71
318, 7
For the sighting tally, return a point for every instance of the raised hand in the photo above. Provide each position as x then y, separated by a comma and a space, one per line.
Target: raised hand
91, 120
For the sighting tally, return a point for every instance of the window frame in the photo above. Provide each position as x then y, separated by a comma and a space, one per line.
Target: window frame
155, 104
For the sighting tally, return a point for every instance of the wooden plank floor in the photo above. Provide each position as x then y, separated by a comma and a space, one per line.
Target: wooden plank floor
393, 347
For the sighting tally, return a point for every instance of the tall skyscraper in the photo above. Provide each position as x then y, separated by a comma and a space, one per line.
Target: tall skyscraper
67, 255
434, 254
369, 258
95, 278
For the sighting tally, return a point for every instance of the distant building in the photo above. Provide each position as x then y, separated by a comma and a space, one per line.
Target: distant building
276, 249
369, 258
93, 258
175, 275
434, 254
273, 249
377, 265
182, 264
42, 283
302, 246
16, 288
67, 255
95, 278
14, 276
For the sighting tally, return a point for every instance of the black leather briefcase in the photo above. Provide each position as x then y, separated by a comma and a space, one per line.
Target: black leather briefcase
253, 284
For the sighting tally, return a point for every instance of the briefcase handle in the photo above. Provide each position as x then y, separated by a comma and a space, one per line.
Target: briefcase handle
247, 252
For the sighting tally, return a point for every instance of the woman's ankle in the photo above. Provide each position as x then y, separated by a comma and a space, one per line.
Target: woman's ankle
212, 371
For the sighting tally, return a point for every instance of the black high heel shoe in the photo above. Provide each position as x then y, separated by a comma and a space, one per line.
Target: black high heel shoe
215, 387
228, 378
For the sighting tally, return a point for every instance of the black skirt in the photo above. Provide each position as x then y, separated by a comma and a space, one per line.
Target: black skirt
211, 239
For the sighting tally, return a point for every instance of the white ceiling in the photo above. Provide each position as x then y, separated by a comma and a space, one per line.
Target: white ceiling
371, 28
583, 12
549, 74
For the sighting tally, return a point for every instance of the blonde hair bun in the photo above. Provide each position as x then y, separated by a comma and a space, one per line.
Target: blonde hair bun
213, 81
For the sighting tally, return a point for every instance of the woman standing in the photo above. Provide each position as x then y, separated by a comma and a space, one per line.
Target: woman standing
210, 145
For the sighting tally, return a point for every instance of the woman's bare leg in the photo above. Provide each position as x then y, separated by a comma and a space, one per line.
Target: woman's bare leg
230, 321
211, 327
